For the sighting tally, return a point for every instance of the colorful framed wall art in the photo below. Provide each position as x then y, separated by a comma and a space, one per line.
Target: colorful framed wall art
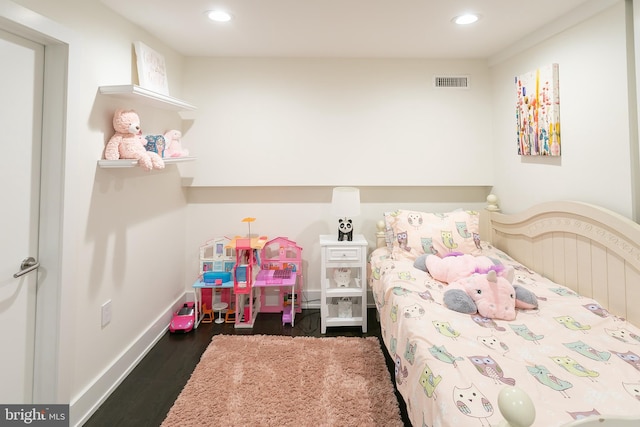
538, 112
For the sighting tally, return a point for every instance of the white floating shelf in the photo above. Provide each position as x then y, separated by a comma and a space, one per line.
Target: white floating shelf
130, 163
149, 97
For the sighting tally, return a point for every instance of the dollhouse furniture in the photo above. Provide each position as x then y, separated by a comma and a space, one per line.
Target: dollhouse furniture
219, 306
207, 314
214, 256
343, 255
244, 270
282, 281
280, 278
201, 286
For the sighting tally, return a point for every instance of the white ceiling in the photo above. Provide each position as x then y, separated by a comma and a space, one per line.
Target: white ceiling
344, 28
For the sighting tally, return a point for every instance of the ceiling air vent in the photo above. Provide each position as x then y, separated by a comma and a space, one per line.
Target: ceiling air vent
460, 82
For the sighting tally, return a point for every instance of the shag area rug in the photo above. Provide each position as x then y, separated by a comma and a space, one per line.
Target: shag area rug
264, 380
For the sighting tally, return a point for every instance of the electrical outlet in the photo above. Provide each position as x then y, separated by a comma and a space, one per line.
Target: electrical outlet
106, 313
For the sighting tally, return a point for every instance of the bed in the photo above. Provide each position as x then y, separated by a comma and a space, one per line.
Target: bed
576, 357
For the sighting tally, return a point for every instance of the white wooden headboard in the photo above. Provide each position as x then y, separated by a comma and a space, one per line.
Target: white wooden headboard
594, 251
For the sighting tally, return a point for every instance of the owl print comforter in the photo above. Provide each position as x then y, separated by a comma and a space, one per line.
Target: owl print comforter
571, 356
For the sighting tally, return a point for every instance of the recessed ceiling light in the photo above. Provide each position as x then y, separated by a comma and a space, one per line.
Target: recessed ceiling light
467, 18
218, 15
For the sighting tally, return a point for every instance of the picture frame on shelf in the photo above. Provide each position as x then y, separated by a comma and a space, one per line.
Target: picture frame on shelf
152, 71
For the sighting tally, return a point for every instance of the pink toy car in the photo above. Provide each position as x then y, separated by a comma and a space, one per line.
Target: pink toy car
183, 319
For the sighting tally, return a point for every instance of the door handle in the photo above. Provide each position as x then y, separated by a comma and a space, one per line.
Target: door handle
28, 264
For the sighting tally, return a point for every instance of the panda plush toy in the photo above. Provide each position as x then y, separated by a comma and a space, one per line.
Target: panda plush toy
345, 229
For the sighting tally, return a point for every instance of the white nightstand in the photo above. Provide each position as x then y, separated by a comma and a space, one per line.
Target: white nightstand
343, 255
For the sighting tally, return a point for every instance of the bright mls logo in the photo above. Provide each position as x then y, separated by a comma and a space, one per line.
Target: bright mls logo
37, 415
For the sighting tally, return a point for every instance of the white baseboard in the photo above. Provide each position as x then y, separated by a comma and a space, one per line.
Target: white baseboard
89, 400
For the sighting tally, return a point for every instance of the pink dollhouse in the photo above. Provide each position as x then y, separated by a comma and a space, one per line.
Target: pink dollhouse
215, 256
280, 278
265, 276
245, 270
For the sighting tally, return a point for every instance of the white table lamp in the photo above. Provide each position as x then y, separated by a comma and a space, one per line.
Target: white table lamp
345, 204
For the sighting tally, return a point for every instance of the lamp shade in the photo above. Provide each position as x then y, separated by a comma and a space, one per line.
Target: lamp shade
345, 202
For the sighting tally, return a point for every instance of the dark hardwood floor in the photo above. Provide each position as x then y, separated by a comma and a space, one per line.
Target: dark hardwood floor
146, 395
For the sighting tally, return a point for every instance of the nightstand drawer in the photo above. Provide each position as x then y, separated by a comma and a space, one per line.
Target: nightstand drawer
344, 253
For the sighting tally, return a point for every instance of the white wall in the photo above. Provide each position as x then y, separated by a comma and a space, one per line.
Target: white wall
595, 165
130, 224
272, 136
296, 122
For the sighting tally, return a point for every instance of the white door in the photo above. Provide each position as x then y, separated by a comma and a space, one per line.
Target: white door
21, 83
